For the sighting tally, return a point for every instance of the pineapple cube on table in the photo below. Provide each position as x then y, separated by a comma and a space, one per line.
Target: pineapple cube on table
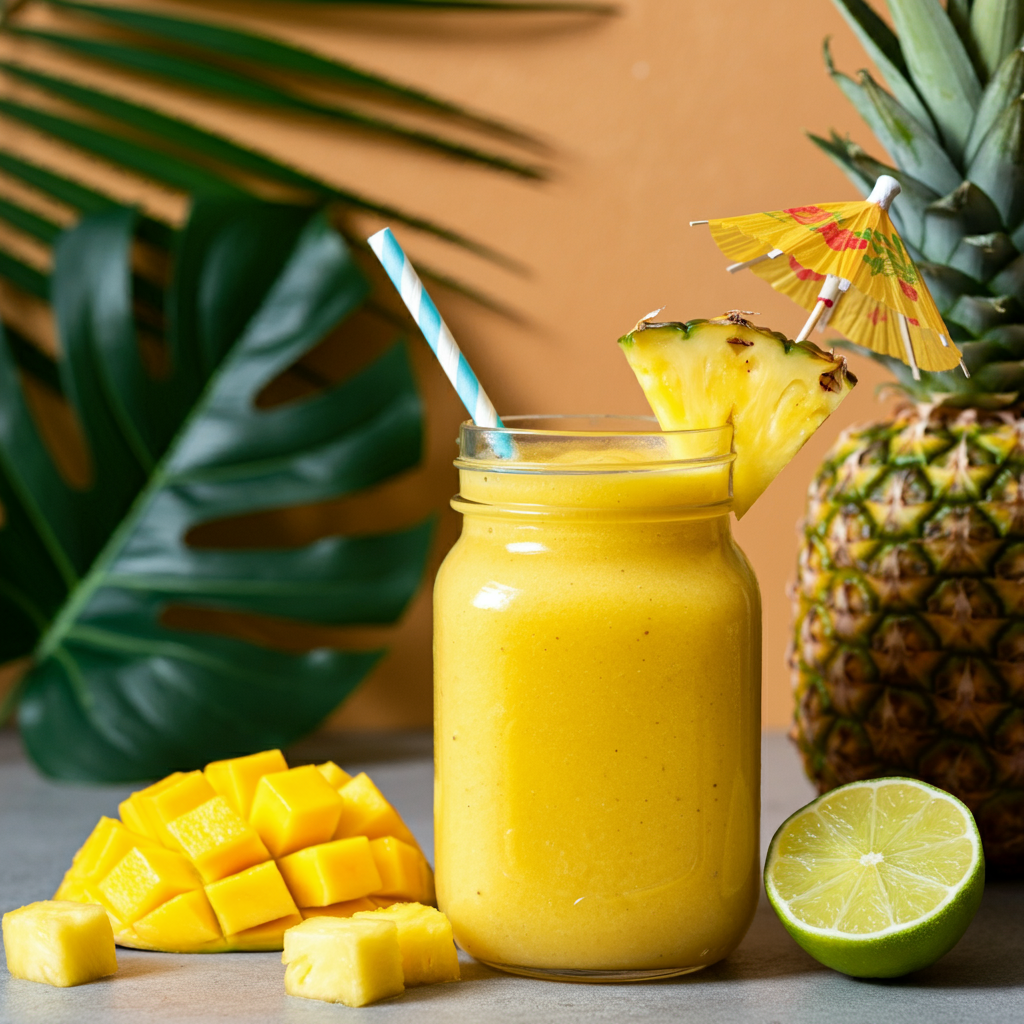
425, 939
58, 942
351, 961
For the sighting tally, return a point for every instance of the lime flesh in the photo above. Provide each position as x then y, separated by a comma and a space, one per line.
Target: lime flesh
878, 878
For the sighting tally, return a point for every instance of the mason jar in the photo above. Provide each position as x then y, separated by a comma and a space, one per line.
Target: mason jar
597, 658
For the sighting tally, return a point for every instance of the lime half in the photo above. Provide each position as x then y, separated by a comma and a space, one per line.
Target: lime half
878, 878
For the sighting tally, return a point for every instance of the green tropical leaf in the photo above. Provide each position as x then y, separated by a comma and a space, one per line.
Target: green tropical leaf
222, 40
998, 166
996, 27
910, 144
1001, 91
114, 693
940, 67
884, 49
967, 210
77, 196
211, 79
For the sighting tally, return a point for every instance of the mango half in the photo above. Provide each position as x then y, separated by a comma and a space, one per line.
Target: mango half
230, 857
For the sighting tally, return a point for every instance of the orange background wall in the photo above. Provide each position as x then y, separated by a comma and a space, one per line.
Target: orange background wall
671, 111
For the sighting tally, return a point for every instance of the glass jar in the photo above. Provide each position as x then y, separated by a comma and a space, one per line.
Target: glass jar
597, 659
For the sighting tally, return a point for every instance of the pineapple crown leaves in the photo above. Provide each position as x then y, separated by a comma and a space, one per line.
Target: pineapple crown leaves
951, 117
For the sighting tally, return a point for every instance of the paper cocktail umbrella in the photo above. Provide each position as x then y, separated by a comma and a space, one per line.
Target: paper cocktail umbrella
845, 263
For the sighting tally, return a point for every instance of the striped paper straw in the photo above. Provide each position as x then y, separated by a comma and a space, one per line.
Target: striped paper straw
435, 330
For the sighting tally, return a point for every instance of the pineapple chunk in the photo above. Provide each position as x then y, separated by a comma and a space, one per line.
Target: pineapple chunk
351, 961
237, 778
367, 813
252, 897
59, 943
425, 939
404, 871
185, 924
294, 809
216, 840
706, 373
331, 872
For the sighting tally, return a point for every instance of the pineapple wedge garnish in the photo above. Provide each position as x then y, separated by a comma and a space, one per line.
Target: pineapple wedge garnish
774, 392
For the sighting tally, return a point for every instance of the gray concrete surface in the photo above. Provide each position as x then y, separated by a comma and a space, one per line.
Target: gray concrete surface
768, 980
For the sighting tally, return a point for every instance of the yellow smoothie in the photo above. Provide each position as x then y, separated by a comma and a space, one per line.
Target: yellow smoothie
597, 710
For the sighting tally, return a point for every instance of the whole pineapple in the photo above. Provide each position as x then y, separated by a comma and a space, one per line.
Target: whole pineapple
908, 654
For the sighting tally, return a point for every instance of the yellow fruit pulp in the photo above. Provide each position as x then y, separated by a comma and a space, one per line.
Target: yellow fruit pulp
58, 942
425, 939
352, 961
775, 393
230, 858
597, 721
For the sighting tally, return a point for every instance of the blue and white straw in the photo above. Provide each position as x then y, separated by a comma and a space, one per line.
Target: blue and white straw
435, 330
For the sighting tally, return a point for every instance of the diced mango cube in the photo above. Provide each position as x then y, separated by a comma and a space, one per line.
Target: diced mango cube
188, 793
119, 842
336, 777
236, 779
344, 909
184, 924
137, 814
250, 898
294, 809
365, 812
216, 839
144, 878
331, 872
85, 861
351, 961
404, 871
265, 937
59, 943
425, 939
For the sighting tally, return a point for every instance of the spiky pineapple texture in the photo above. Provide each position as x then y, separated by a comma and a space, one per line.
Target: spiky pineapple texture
908, 654
908, 657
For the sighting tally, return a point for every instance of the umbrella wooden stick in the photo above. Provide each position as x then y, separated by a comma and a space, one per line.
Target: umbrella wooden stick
908, 347
827, 297
734, 267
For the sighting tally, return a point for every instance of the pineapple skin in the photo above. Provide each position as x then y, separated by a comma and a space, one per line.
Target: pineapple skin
908, 648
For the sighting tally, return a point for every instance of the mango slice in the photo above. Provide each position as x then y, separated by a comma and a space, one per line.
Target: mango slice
338, 960
232, 857
58, 942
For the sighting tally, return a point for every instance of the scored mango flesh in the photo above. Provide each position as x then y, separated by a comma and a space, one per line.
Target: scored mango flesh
230, 857
707, 373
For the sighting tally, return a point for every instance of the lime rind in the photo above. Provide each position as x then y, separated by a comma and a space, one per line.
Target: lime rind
901, 946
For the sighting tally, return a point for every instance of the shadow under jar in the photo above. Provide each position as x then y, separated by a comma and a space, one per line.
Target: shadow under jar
597, 661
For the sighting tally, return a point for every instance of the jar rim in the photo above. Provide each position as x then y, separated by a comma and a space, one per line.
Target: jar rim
548, 444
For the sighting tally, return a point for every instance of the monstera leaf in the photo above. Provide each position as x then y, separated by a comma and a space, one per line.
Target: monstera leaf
114, 693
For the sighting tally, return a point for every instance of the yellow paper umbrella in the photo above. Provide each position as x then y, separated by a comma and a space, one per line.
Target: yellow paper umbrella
845, 263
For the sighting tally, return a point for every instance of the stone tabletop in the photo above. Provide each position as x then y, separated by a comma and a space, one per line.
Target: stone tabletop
768, 979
